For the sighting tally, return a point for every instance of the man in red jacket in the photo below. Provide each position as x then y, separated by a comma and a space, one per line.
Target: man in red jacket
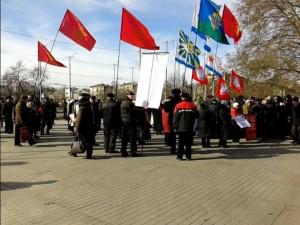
185, 114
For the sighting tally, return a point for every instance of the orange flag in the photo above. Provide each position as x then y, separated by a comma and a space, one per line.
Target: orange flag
231, 25
135, 33
74, 29
45, 56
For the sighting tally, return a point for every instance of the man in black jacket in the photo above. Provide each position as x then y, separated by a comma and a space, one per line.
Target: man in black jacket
96, 113
7, 112
111, 122
169, 108
185, 113
128, 122
296, 121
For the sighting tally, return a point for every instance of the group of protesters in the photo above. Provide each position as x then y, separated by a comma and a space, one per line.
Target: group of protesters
178, 118
30, 117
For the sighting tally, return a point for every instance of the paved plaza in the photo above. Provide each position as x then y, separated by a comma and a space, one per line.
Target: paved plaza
253, 183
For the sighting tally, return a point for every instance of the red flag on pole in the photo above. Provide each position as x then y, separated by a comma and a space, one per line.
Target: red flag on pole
198, 75
45, 56
74, 29
135, 33
222, 90
236, 82
231, 25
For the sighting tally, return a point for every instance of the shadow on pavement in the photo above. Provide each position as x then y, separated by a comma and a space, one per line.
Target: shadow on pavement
8, 186
12, 163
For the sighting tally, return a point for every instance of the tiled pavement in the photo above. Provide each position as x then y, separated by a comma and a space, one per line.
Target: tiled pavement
250, 184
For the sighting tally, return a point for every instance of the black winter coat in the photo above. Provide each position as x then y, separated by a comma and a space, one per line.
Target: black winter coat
111, 114
128, 113
185, 114
85, 119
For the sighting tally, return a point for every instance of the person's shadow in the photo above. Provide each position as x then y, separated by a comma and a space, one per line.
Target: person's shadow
8, 186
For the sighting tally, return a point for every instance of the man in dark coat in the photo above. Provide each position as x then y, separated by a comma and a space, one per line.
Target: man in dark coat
225, 122
128, 122
49, 114
296, 120
7, 112
96, 112
19, 117
84, 124
169, 107
205, 124
185, 113
111, 122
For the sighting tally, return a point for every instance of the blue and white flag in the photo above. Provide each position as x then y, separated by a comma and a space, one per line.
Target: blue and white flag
213, 70
195, 20
207, 48
187, 52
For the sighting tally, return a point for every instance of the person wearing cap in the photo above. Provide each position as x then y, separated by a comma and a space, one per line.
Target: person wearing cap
84, 124
7, 112
168, 108
128, 123
19, 114
185, 113
296, 120
111, 122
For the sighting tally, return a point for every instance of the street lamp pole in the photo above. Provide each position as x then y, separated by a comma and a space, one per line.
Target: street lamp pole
70, 75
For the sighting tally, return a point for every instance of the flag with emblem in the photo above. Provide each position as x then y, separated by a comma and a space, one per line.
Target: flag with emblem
74, 29
236, 82
198, 75
222, 90
187, 52
45, 56
210, 22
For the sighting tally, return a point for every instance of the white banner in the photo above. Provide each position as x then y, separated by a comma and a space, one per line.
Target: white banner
242, 122
151, 80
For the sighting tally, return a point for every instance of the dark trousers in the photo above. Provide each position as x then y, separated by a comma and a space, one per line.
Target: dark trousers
236, 132
296, 132
171, 141
17, 134
110, 137
9, 125
87, 142
46, 122
185, 144
128, 135
205, 141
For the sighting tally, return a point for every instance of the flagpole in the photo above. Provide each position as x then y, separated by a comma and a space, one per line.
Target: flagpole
192, 76
43, 74
118, 65
175, 66
213, 77
205, 86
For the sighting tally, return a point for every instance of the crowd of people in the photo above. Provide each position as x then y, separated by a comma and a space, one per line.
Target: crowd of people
179, 117
29, 115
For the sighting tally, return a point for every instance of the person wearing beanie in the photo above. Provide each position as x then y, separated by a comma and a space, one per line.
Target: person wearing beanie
185, 113
236, 130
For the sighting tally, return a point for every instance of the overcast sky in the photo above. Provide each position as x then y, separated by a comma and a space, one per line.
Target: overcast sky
23, 23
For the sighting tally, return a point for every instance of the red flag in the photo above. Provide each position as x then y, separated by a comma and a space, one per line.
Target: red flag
74, 29
198, 75
231, 25
236, 82
45, 56
222, 90
135, 33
